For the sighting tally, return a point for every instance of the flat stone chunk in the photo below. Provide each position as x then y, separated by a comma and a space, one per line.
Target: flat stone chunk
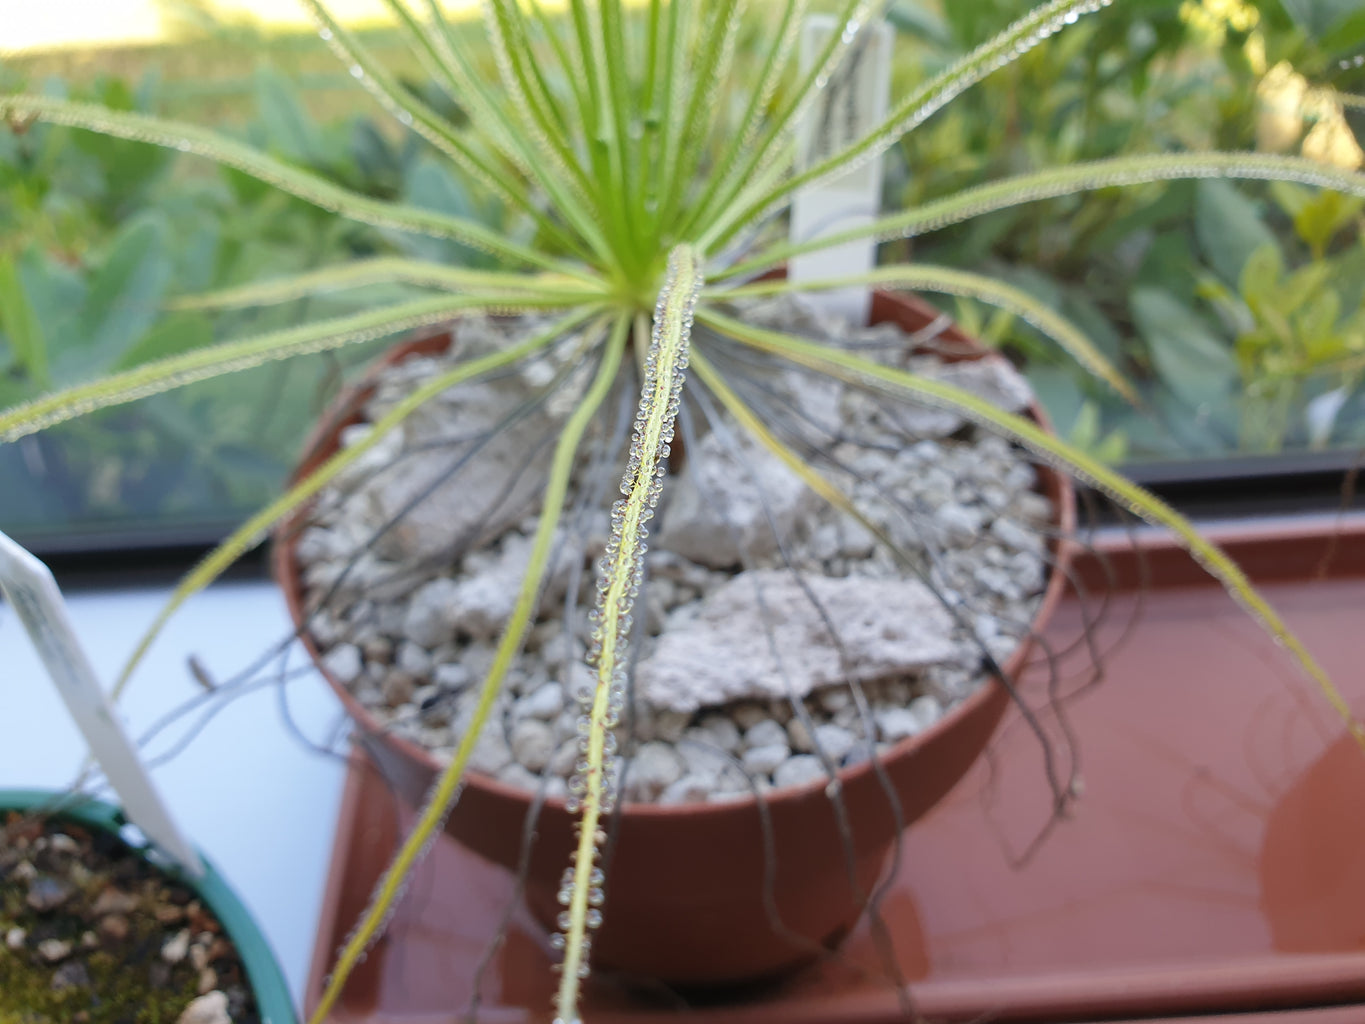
491, 489
886, 628
480, 604
723, 505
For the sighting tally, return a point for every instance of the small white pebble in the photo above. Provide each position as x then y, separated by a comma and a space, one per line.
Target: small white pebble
53, 950
800, 770
177, 947
765, 733
765, 760
211, 1008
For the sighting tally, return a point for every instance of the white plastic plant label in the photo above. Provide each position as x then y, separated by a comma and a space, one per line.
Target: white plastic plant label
33, 594
852, 103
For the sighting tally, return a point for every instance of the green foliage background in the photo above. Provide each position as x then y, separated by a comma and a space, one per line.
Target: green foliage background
1235, 309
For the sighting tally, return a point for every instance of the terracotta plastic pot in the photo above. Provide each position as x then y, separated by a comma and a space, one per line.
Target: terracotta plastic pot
262, 970
691, 890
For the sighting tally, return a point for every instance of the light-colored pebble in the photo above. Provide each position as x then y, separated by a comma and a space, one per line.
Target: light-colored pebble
210, 1008
413, 659
564, 758
765, 733
177, 947
655, 767
515, 775
344, 662
533, 743
689, 789
430, 618
765, 760
747, 714
896, 724
800, 770
54, 950
545, 702
834, 740
717, 730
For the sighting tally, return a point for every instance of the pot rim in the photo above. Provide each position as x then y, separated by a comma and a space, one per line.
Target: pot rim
1057, 486
263, 973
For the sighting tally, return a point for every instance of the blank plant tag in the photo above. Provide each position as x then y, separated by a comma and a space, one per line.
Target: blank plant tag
853, 102
32, 593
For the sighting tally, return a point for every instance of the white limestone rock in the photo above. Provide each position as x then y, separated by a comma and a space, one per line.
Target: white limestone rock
488, 494
719, 507
885, 628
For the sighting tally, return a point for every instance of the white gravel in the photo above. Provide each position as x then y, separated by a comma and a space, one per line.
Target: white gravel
734, 635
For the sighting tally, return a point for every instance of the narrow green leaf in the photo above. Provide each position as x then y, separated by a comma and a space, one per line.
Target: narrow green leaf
722, 178
1026, 33
507, 33
716, 52
391, 270
1063, 181
412, 112
177, 371
621, 571
770, 159
950, 281
446, 789
307, 186
446, 60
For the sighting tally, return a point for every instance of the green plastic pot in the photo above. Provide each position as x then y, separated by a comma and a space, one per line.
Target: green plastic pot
263, 973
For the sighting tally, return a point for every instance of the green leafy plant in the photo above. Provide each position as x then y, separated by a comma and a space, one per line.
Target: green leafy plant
102, 240
1146, 77
650, 209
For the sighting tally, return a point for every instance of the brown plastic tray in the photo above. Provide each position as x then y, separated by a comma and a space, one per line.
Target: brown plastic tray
1214, 863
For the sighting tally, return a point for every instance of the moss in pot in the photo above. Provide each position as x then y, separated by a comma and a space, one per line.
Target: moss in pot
647, 197
95, 932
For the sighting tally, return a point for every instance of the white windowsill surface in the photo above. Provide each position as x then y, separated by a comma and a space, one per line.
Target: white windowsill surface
254, 799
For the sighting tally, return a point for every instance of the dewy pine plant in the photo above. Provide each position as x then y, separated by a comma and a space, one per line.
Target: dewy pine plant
656, 167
